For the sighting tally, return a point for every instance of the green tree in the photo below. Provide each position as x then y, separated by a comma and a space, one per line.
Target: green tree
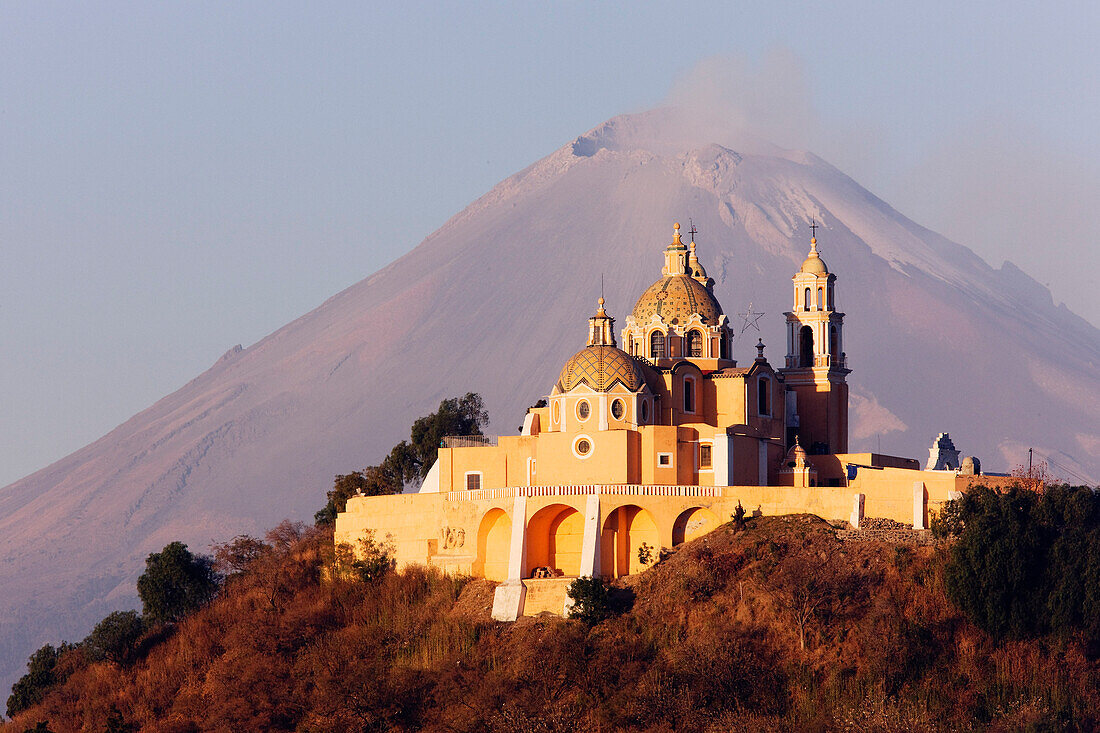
115, 638
410, 460
175, 583
457, 416
237, 555
40, 676
591, 600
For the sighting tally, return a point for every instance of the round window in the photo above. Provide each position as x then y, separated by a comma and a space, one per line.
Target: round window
618, 407
556, 415
583, 410
583, 447
645, 411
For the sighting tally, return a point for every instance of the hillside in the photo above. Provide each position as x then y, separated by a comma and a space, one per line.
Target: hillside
708, 639
496, 300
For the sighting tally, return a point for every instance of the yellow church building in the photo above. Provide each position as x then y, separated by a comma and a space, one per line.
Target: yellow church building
654, 443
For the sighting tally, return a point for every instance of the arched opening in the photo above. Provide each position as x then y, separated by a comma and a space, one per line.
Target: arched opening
820, 298
695, 344
763, 396
834, 344
693, 523
625, 530
554, 538
689, 394
806, 300
494, 541
657, 345
831, 306
723, 348
806, 347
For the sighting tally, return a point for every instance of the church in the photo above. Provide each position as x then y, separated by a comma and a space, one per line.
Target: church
650, 440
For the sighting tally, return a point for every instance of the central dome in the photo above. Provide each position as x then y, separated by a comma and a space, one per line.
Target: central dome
600, 367
675, 298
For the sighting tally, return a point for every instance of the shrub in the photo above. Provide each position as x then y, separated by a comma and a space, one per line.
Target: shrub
591, 600
115, 638
40, 676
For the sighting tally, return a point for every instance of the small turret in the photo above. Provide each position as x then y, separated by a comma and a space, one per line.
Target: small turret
601, 331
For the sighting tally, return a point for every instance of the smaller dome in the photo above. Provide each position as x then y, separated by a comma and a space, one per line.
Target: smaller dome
600, 367
676, 298
813, 264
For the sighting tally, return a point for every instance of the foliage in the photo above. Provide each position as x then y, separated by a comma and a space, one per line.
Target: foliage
739, 516
1027, 563
709, 643
175, 583
115, 638
645, 553
408, 461
237, 555
40, 676
370, 562
591, 600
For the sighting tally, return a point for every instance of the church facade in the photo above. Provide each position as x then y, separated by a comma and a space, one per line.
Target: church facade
651, 443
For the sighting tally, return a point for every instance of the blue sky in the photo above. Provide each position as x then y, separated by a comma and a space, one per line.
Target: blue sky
180, 178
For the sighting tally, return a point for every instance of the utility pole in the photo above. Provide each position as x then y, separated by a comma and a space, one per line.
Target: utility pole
1029, 462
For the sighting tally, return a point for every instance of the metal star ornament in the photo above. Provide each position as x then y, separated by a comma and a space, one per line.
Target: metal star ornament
750, 319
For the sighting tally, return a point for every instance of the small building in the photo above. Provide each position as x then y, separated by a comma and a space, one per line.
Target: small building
653, 443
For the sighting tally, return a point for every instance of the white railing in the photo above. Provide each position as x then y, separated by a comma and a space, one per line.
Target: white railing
511, 492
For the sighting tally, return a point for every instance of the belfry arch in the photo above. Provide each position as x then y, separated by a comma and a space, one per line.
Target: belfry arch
805, 346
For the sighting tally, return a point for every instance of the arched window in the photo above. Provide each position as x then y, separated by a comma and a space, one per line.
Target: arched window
657, 345
820, 298
834, 344
806, 300
806, 346
689, 394
695, 344
763, 396
723, 349
831, 306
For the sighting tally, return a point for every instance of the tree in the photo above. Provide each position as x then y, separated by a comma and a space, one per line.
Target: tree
591, 600
456, 416
237, 555
115, 638
410, 460
40, 676
175, 583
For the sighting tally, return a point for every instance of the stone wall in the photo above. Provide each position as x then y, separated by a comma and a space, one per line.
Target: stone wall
886, 530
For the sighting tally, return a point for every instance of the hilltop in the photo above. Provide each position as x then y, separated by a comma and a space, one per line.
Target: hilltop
709, 638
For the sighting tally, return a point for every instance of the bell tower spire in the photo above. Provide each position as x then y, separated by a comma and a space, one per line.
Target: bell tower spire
816, 367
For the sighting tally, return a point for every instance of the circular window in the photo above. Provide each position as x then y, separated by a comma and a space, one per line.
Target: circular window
618, 407
645, 411
582, 446
583, 410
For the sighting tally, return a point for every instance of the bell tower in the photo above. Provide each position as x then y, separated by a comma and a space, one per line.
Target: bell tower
816, 369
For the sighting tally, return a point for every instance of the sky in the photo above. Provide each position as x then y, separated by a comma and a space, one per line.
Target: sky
179, 178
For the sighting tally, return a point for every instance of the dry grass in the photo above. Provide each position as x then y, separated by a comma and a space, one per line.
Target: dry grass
776, 627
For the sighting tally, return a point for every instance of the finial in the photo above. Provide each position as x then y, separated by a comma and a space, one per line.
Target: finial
813, 236
600, 310
760, 348
693, 231
676, 233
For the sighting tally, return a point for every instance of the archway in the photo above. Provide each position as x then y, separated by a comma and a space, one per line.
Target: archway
494, 541
692, 523
624, 531
555, 535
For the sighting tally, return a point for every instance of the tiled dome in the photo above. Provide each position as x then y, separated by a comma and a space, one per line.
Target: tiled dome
675, 298
600, 367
